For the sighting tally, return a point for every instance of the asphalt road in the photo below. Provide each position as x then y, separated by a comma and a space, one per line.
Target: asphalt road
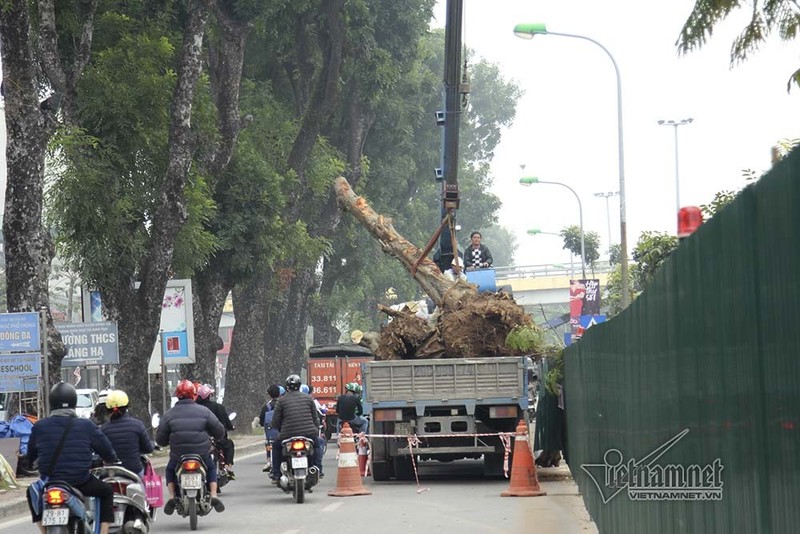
455, 498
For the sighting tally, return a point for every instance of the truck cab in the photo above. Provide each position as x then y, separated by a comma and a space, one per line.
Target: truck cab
330, 367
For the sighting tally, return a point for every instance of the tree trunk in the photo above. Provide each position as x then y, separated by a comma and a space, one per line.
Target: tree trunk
28, 246
210, 289
246, 377
468, 325
139, 323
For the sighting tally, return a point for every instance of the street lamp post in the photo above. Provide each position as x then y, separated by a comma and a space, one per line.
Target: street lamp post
608, 213
528, 31
675, 125
530, 180
536, 231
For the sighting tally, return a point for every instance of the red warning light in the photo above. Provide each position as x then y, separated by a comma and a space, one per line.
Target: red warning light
689, 219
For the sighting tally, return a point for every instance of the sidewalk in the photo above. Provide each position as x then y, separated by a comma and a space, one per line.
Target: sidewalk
13, 502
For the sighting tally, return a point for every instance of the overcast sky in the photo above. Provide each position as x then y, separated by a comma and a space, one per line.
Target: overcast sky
566, 124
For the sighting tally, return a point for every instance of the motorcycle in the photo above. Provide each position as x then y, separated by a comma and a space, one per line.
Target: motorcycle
67, 510
218, 454
296, 475
132, 514
194, 498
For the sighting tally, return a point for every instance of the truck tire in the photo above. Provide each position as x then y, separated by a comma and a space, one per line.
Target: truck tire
493, 465
381, 471
403, 469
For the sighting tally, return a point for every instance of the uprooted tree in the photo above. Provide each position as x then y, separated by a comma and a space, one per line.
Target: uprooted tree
469, 324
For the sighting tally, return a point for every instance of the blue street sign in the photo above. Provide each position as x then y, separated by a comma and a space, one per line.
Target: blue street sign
19, 332
590, 320
19, 372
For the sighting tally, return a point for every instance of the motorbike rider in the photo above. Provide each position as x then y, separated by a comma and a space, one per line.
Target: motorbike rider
350, 411
81, 438
295, 415
265, 420
100, 414
127, 434
187, 428
204, 394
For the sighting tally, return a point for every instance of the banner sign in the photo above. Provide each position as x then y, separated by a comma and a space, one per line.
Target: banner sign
90, 343
584, 299
19, 332
20, 372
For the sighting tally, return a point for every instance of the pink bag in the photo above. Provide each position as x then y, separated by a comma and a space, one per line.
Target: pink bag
153, 487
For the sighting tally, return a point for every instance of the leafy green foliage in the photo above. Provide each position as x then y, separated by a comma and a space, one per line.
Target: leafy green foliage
615, 254
612, 294
528, 339
651, 250
766, 18
591, 243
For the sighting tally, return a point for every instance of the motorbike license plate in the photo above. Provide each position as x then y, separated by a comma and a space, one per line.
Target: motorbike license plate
299, 462
119, 517
55, 516
192, 481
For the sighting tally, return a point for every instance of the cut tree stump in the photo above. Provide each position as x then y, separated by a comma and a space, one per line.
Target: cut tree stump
467, 325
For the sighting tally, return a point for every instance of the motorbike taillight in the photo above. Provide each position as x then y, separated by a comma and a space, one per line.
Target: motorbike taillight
191, 465
55, 496
298, 445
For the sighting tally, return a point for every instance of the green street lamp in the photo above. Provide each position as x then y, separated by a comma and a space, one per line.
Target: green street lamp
530, 180
536, 231
528, 31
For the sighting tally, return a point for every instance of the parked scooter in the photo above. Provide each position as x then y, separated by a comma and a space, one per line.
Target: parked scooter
296, 475
194, 498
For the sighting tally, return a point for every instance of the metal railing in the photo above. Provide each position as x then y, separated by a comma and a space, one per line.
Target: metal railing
534, 271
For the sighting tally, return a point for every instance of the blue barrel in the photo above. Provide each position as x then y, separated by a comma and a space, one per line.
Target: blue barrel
484, 279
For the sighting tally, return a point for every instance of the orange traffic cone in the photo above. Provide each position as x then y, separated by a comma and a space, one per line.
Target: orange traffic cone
363, 456
348, 477
524, 482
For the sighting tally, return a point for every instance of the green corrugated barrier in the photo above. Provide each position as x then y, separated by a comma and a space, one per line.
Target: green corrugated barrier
708, 355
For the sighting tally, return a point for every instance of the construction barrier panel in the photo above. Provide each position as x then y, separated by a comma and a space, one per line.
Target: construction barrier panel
683, 412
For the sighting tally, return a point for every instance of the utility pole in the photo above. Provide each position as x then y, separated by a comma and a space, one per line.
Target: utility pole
675, 125
608, 214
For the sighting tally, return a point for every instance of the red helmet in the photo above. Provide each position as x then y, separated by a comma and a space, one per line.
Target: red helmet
185, 390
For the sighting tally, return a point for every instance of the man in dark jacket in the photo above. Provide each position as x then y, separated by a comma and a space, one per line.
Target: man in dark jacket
186, 428
204, 394
295, 415
477, 256
350, 410
127, 434
81, 438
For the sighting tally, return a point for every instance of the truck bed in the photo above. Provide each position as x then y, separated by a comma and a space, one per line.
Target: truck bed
447, 381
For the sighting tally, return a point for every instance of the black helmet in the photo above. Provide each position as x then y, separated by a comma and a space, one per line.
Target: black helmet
63, 395
293, 382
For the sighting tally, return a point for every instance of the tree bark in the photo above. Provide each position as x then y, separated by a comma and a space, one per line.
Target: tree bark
29, 248
212, 285
139, 323
443, 291
246, 376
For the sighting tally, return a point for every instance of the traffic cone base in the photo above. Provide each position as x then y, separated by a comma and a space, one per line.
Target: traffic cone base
348, 476
524, 482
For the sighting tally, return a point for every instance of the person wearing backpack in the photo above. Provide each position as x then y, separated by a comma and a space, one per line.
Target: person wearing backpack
265, 420
63, 443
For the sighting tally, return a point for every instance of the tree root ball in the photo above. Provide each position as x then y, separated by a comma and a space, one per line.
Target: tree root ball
480, 326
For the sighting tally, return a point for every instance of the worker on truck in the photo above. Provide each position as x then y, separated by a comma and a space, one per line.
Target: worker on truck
349, 408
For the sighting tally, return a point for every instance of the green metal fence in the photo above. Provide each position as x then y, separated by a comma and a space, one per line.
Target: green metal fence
712, 347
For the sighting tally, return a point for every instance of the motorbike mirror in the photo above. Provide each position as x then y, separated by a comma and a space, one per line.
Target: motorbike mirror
232, 416
155, 420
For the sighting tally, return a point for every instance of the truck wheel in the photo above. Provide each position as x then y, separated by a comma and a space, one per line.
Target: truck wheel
403, 470
493, 465
381, 471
